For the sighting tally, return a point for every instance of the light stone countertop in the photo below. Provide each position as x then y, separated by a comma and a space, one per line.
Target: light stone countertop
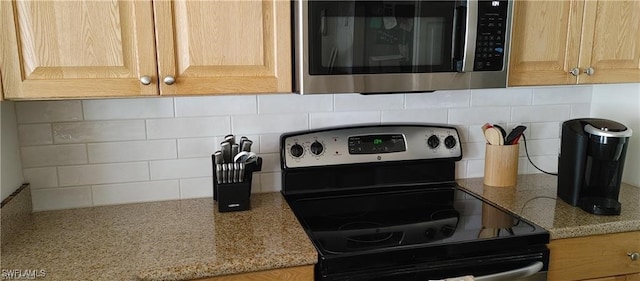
169, 240
534, 198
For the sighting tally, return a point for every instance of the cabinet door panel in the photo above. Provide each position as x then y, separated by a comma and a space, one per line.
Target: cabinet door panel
224, 46
611, 42
77, 48
543, 51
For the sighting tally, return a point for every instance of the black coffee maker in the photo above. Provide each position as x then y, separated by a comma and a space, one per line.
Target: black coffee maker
590, 164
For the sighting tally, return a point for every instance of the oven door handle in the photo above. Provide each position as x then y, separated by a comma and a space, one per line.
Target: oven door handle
513, 274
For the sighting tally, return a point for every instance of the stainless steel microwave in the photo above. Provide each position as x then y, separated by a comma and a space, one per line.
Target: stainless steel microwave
354, 46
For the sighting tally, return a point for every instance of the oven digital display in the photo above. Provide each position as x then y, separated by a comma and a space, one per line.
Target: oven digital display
374, 144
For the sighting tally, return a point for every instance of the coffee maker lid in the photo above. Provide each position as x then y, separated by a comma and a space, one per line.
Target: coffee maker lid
607, 128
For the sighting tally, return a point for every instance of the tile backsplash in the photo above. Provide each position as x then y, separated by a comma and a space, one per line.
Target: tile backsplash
79, 153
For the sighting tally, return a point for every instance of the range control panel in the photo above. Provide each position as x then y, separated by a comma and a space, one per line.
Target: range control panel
369, 144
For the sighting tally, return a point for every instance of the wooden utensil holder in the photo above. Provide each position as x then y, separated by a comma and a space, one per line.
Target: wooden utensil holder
501, 165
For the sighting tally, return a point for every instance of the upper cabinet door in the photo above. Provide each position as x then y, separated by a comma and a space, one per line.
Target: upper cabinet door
232, 47
545, 42
58, 49
611, 42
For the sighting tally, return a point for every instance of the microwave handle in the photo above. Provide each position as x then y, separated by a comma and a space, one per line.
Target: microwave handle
513, 274
458, 40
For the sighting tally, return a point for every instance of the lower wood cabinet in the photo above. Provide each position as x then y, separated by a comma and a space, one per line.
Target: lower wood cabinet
596, 258
299, 273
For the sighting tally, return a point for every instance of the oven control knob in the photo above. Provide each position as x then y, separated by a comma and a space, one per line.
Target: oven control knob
450, 142
296, 150
317, 148
433, 141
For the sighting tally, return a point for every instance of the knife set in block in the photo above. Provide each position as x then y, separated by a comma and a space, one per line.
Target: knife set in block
233, 173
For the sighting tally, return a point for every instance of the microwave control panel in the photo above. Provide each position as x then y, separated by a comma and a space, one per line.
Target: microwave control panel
490, 40
367, 144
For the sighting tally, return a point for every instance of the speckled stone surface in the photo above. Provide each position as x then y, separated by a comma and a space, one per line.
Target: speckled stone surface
170, 240
534, 198
16, 208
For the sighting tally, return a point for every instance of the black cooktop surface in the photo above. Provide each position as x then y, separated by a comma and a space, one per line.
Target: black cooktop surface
404, 218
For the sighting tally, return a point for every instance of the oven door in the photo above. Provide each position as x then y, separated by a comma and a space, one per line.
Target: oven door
521, 266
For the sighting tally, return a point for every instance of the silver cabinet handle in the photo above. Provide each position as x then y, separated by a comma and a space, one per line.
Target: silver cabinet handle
589, 71
575, 71
513, 274
634, 256
169, 80
145, 80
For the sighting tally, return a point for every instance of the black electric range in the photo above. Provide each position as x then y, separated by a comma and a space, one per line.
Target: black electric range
380, 202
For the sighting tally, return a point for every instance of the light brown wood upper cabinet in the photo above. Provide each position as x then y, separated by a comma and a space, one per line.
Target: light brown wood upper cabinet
598, 40
77, 49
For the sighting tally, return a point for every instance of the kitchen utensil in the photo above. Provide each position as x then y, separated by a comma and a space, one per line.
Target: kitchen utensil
225, 171
503, 133
494, 136
246, 145
515, 134
234, 150
219, 173
230, 138
218, 157
242, 140
245, 157
225, 147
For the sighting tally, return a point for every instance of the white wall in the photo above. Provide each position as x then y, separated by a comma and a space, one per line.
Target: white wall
621, 102
10, 163
79, 153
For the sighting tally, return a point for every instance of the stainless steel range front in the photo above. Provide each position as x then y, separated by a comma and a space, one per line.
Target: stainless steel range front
380, 202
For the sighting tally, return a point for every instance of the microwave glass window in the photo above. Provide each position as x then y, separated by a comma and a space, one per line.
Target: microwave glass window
369, 37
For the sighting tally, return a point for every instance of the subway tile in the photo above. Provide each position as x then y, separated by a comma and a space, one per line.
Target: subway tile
461, 169
269, 123
479, 115
357, 102
291, 103
548, 163
48, 111
41, 177
475, 133
198, 147
53, 155
475, 168
473, 150
110, 152
270, 143
204, 147
544, 130
255, 183
501, 97
61, 198
463, 133
582, 110
215, 105
130, 108
181, 168
103, 173
109, 194
438, 99
537, 147
35, 134
270, 162
542, 113
270, 182
426, 116
196, 188
322, 119
188, 127
98, 131
562, 95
